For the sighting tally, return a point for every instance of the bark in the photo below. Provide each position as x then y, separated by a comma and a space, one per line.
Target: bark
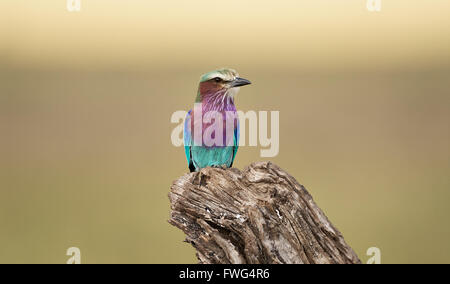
259, 215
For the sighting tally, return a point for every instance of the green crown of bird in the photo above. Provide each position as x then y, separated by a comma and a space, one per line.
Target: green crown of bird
211, 128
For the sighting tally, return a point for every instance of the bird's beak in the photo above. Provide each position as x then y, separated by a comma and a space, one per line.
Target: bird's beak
238, 82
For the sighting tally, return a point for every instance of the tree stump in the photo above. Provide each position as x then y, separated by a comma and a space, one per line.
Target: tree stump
261, 215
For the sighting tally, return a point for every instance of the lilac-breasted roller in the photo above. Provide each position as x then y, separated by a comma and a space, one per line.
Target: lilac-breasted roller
211, 128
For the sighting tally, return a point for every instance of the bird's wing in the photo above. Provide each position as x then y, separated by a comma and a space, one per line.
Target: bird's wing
187, 137
236, 141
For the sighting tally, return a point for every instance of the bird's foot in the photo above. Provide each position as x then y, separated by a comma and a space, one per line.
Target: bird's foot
223, 167
198, 178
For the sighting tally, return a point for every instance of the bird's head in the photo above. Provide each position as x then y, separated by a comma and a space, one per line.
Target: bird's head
223, 81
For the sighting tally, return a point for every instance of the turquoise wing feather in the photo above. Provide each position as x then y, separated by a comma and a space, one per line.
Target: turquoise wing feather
236, 141
187, 138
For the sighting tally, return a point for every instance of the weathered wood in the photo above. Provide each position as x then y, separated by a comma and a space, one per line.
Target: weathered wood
259, 215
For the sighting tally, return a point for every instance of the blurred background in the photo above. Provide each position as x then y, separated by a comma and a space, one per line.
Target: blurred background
86, 97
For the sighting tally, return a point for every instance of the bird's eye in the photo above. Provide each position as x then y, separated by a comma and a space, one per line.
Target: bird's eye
217, 79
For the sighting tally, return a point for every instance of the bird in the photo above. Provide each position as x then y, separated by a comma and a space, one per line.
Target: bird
211, 127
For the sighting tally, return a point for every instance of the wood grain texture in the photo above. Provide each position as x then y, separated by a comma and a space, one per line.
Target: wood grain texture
258, 215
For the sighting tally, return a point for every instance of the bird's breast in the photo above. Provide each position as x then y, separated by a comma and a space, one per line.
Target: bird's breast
214, 128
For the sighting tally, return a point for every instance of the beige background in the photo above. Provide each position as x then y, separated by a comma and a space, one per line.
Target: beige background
86, 99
